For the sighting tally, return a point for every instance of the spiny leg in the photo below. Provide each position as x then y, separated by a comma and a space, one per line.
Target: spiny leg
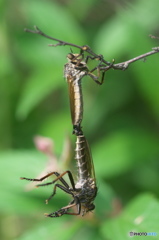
90, 73
94, 77
65, 189
58, 213
78, 204
64, 210
100, 57
103, 73
59, 177
39, 179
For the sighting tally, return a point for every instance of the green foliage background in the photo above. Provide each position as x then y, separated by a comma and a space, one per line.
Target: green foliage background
120, 119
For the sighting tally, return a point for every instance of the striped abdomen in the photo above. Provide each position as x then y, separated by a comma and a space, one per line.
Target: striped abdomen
76, 100
73, 77
84, 161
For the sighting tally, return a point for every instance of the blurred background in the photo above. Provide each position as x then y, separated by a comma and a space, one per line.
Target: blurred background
121, 117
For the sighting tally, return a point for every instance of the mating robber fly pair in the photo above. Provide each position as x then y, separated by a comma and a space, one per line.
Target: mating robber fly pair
84, 191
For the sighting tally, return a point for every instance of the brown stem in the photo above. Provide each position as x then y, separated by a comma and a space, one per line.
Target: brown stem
106, 65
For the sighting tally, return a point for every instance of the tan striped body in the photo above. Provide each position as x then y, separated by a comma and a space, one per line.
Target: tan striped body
74, 75
84, 160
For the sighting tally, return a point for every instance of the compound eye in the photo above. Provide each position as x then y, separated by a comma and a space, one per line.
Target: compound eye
91, 207
70, 56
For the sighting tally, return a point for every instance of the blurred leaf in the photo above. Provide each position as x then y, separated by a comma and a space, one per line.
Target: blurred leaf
55, 19
88, 231
141, 215
119, 33
81, 9
60, 228
110, 41
148, 83
53, 228
141, 180
104, 200
57, 126
28, 164
114, 94
40, 84
141, 9
122, 150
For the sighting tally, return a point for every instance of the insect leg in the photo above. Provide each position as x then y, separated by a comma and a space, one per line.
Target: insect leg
77, 203
65, 189
38, 179
65, 209
94, 77
60, 178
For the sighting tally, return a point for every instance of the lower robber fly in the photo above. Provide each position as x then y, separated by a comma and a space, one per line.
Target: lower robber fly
84, 191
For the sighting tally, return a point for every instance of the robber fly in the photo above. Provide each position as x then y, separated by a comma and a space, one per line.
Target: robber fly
84, 191
74, 71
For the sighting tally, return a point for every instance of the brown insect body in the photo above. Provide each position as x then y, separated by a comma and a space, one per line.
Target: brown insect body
84, 191
86, 182
74, 71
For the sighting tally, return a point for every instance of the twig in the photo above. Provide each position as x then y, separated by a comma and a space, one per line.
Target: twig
84, 48
106, 65
124, 65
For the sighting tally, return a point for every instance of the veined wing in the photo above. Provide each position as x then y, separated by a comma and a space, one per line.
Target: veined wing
76, 99
89, 160
84, 160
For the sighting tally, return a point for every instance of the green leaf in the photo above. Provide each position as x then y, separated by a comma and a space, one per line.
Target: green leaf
106, 99
121, 32
104, 200
112, 43
148, 84
123, 150
25, 164
38, 86
54, 19
57, 127
141, 215
83, 8
57, 228
18, 164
